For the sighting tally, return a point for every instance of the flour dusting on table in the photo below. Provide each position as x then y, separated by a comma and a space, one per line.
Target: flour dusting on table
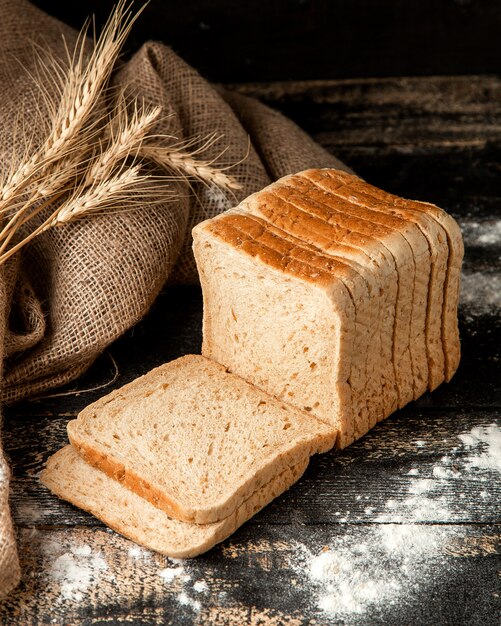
485, 445
179, 580
480, 294
400, 554
481, 291
76, 571
481, 232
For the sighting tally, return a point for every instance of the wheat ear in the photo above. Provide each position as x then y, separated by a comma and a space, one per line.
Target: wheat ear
127, 134
83, 84
124, 187
188, 166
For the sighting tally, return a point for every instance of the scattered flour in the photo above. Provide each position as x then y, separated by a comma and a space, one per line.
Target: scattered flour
480, 294
136, 552
201, 586
480, 291
169, 573
383, 566
444, 472
76, 571
217, 199
30, 512
4, 471
481, 233
377, 571
181, 578
485, 445
185, 600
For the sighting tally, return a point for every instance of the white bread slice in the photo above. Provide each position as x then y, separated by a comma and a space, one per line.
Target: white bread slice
195, 440
361, 193
69, 477
324, 187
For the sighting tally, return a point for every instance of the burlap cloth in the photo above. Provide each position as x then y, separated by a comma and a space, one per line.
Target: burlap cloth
75, 289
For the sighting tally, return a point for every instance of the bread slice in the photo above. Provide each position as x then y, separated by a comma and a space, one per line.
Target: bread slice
194, 440
69, 477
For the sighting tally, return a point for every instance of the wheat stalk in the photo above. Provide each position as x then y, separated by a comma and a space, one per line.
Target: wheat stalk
124, 142
184, 162
128, 188
91, 161
83, 84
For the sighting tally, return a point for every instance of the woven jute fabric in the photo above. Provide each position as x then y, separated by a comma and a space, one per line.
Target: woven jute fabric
75, 289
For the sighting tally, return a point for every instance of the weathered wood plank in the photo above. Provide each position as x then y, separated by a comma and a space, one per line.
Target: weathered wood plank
435, 139
273, 575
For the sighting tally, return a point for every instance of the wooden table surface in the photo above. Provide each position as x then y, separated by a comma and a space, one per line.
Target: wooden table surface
402, 528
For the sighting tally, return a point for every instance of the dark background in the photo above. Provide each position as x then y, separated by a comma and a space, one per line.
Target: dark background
239, 41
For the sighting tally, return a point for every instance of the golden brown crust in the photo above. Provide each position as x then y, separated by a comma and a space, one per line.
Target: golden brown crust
280, 250
249, 236
383, 223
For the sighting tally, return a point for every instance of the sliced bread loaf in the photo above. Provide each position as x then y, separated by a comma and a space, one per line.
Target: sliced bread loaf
389, 227
71, 478
433, 223
194, 440
289, 330
284, 318
442, 232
